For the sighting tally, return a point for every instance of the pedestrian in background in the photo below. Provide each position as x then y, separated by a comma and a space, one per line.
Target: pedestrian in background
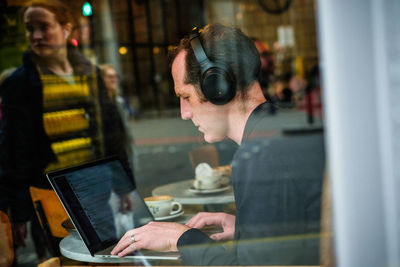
50, 65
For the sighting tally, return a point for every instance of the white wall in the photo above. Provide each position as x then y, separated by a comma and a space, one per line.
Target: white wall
360, 60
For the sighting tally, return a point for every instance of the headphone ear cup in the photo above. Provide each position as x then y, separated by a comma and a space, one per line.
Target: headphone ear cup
218, 86
217, 83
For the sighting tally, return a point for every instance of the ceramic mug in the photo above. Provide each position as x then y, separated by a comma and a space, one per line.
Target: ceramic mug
162, 206
206, 177
207, 182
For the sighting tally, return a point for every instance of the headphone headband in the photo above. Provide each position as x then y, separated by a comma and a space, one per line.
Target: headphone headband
200, 55
217, 82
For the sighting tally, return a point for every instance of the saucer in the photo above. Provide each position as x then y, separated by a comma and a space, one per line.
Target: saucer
222, 188
168, 217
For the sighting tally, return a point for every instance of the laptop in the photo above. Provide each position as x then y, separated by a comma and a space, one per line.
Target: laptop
102, 203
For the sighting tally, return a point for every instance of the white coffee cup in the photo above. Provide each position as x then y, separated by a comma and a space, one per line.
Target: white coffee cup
206, 177
162, 206
207, 182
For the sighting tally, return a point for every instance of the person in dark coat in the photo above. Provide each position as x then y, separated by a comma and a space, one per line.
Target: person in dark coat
50, 68
276, 178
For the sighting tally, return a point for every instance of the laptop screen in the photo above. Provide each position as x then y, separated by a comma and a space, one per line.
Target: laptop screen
101, 201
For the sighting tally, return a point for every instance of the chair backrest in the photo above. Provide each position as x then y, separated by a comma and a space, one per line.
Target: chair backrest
6, 241
52, 262
46, 201
207, 153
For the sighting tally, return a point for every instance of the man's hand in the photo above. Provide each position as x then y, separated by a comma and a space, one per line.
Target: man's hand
224, 220
159, 236
19, 233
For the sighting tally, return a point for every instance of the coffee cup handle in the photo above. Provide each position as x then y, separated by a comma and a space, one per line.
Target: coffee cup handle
197, 184
179, 205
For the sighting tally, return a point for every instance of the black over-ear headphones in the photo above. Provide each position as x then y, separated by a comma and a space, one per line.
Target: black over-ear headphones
217, 82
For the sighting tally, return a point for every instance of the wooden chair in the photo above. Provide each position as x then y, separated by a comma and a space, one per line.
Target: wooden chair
6, 241
51, 214
52, 262
207, 153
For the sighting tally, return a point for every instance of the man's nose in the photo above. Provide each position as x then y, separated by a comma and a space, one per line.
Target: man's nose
186, 113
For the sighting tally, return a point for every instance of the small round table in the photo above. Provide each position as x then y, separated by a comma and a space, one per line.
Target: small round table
180, 192
73, 247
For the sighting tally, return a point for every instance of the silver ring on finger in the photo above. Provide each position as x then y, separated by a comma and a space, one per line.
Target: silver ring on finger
133, 238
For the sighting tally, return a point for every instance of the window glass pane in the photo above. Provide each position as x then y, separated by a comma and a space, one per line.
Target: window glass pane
91, 85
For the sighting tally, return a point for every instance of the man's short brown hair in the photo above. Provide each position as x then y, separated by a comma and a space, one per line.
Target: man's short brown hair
226, 44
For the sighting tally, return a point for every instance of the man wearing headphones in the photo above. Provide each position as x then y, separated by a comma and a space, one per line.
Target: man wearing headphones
277, 204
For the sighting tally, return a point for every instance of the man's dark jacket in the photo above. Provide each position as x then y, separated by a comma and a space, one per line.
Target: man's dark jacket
277, 181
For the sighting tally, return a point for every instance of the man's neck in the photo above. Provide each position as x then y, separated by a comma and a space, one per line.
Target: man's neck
241, 111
